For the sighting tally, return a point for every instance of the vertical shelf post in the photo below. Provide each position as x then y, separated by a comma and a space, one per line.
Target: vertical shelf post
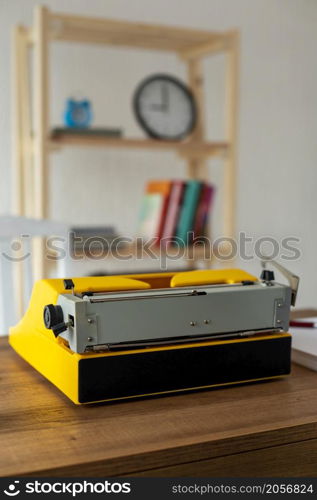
231, 112
197, 167
27, 144
17, 162
41, 123
17, 141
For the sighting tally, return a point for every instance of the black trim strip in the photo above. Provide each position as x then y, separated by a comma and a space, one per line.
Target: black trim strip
139, 374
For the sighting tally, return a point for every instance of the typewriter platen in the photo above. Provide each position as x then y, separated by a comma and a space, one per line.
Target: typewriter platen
117, 337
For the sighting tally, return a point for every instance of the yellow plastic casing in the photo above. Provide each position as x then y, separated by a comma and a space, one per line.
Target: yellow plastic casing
211, 277
53, 358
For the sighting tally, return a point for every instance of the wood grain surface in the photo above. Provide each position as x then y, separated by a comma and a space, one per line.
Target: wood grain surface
267, 428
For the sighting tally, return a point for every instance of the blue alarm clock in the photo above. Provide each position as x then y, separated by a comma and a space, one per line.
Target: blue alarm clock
78, 114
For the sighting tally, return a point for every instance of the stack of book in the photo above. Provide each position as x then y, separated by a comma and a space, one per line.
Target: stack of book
175, 211
88, 239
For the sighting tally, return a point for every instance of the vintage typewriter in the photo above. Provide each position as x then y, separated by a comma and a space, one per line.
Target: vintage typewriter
117, 337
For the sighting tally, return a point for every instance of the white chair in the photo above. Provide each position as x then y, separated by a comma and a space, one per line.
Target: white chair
16, 234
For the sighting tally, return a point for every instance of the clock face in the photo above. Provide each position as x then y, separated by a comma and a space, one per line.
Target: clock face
165, 108
77, 113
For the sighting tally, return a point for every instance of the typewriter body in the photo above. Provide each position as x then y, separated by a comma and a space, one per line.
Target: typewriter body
117, 337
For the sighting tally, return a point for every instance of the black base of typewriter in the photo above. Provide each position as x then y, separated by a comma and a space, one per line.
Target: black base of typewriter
151, 372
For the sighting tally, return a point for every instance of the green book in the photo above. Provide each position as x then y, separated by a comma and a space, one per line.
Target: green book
150, 215
188, 211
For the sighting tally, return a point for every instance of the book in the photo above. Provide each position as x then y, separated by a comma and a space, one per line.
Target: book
308, 322
188, 210
203, 209
172, 214
161, 188
150, 215
93, 131
86, 238
304, 347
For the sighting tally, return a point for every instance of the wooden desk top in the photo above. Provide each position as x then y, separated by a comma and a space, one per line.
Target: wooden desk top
270, 423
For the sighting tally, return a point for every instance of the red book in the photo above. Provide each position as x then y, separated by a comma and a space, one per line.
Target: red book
309, 322
175, 200
203, 210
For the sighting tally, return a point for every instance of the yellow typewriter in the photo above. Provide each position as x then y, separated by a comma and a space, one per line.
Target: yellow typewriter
118, 337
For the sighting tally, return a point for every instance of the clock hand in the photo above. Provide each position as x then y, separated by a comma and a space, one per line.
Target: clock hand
165, 97
164, 106
164, 102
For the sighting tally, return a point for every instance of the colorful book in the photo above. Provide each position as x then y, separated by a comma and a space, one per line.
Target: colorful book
187, 213
163, 188
203, 210
149, 217
154, 209
173, 209
307, 322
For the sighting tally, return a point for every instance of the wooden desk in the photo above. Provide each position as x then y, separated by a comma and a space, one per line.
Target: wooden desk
264, 429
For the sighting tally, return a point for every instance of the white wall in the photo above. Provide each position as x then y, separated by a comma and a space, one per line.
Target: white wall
278, 118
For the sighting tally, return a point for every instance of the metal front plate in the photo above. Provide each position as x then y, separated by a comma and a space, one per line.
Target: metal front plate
219, 310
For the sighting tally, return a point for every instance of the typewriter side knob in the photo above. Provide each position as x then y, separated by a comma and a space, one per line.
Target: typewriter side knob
267, 276
54, 319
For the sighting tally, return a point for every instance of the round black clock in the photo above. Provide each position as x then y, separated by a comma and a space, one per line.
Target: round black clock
165, 108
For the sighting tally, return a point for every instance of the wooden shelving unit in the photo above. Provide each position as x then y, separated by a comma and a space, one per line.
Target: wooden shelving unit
34, 143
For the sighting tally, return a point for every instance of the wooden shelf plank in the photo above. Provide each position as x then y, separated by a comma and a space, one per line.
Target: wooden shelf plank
133, 250
205, 252
186, 148
138, 35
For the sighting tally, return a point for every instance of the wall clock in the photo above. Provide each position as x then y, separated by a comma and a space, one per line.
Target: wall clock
165, 107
